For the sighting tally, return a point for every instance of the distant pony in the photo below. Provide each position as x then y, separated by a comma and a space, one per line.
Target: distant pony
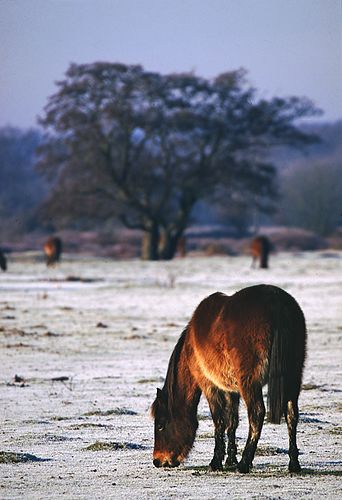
233, 346
260, 249
3, 261
181, 247
53, 250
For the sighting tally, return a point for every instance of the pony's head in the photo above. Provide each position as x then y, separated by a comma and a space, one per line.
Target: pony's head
174, 432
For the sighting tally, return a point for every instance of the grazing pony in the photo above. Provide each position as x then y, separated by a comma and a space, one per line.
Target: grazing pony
232, 346
3, 261
260, 249
53, 250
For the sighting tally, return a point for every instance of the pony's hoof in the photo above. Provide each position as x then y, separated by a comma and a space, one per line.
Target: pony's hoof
294, 466
215, 466
243, 467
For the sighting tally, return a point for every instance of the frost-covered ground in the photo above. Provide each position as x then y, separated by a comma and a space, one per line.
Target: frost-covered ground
104, 330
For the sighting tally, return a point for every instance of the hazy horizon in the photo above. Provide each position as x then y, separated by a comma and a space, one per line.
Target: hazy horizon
288, 48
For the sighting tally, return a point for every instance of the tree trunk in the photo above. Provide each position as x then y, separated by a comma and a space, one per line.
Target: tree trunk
168, 245
150, 243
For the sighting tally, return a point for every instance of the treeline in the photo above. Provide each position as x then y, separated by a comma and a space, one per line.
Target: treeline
311, 182
154, 152
22, 188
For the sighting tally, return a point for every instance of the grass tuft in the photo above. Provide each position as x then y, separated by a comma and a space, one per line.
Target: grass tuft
106, 413
10, 457
113, 446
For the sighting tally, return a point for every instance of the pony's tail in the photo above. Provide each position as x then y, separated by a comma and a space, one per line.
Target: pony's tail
276, 397
287, 355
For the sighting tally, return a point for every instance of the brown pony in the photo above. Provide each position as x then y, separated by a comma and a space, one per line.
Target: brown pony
3, 261
53, 250
232, 346
260, 249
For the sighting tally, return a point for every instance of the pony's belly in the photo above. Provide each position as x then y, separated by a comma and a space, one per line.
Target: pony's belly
216, 369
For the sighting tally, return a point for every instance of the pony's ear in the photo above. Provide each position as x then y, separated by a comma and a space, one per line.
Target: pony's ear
161, 396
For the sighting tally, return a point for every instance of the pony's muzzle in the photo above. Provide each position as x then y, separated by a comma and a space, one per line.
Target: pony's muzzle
166, 463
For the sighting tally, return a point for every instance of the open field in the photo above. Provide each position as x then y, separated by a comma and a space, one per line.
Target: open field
84, 346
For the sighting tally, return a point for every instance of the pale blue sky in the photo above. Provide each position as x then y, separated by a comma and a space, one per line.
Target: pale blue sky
289, 47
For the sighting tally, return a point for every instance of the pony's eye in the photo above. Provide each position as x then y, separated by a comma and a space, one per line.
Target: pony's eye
160, 428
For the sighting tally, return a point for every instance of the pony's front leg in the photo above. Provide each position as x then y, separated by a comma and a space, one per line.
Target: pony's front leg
217, 402
220, 445
256, 415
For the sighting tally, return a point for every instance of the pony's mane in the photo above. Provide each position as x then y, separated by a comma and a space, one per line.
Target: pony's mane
171, 376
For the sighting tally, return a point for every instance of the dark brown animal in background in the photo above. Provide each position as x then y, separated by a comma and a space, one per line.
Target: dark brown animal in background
260, 248
181, 247
232, 346
53, 250
3, 261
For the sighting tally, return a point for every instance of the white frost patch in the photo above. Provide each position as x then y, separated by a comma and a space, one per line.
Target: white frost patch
90, 341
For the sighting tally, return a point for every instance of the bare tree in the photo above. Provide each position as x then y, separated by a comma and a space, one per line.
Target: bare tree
146, 148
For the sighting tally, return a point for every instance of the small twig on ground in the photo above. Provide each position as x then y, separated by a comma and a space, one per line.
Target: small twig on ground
64, 379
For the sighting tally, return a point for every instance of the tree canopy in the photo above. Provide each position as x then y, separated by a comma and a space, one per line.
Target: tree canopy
145, 148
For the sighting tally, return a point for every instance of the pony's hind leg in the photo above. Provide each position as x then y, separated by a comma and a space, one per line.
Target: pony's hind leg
217, 404
292, 420
256, 414
232, 417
